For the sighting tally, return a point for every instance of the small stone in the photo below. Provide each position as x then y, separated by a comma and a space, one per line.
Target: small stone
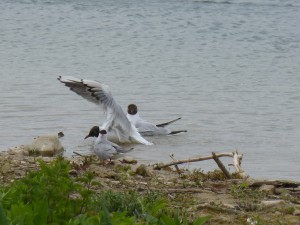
279, 191
5, 168
129, 160
73, 173
277, 213
143, 171
47, 145
229, 206
115, 182
270, 203
102, 172
25, 153
296, 212
267, 188
21, 173
60, 134
161, 179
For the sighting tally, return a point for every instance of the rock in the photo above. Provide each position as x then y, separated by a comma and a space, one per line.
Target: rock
102, 172
129, 160
143, 171
5, 168
60, 134
271, 203
73, 173
279, 191
229, 206
296, 212
267, 188
277, 213
48, 145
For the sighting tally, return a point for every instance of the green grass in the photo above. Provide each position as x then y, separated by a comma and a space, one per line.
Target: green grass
51, 196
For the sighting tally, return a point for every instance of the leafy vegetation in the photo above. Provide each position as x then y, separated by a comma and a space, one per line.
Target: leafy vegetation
52, 196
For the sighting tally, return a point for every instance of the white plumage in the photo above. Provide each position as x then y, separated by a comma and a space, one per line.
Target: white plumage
116, 121
146, 128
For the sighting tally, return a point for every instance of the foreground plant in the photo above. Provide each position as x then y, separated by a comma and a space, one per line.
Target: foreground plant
51, 196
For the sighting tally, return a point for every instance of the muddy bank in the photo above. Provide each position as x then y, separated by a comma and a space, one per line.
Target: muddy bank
228, 201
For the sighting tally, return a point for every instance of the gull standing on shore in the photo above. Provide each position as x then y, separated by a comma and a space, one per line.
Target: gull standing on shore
116, 121
103, 148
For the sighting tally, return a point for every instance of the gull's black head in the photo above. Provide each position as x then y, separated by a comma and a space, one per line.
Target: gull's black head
132, 109
94, 132
103, 132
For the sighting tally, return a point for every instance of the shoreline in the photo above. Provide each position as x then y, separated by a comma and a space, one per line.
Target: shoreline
228, 201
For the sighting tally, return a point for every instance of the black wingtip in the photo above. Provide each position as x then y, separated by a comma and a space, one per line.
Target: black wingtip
168, 123
178, 131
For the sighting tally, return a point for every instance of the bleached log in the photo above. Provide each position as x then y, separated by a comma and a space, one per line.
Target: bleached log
236, 161
201, 158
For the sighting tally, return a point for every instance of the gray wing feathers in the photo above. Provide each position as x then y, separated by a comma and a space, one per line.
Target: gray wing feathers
105, 151
99, 94
149, 129
90, 90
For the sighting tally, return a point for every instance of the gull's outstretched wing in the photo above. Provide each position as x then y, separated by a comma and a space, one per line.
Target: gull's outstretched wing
100, 94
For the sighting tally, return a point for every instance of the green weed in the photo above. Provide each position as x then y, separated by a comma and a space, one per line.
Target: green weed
52, 196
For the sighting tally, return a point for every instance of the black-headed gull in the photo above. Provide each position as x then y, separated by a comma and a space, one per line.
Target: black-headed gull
103, 148
116, 121
149, 129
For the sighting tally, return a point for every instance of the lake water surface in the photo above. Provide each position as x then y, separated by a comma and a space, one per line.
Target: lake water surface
229, 68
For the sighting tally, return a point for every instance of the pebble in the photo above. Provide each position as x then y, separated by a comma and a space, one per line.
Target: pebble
267, 188
129, 160
269, 203
143, 171
296, 212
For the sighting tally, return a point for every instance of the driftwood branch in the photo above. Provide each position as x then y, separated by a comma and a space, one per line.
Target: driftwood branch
221, 165
236, 161
276, 183
175, 190
76, 153
220, 208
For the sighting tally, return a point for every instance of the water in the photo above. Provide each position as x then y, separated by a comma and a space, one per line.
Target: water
230, 68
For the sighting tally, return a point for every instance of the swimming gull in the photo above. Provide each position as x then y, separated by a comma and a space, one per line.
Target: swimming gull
146, 128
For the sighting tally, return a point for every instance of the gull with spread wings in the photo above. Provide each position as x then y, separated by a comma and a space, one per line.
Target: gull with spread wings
116, 121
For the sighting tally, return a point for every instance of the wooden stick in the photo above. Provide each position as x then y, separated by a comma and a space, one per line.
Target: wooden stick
202, 158
218, 208
176, 166
76, 153
175, 190
221, 165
